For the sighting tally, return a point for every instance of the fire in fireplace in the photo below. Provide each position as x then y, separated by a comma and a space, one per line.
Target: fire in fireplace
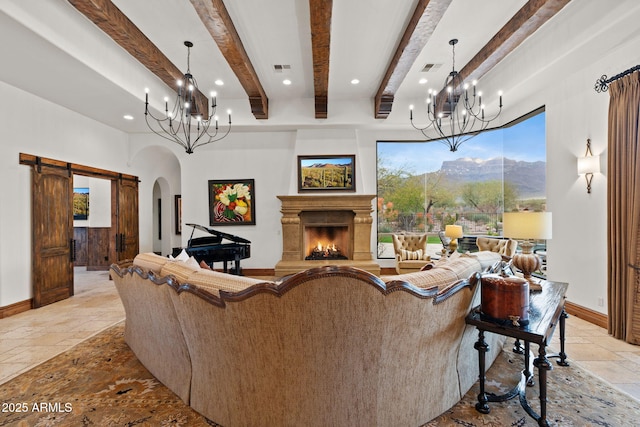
326, 242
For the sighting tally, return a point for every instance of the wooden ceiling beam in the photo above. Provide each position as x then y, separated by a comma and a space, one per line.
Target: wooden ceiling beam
216, 19
111, 20
320, 22
425, 18
524, 23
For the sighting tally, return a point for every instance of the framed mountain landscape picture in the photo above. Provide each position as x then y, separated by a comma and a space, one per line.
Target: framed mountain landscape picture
327, 173
80, 203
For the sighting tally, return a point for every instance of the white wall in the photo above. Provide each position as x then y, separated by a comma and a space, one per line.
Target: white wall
34, 126
577, 252
576, 112
99, 201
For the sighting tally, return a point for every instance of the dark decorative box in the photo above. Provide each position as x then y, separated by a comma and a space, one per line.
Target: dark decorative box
505, 299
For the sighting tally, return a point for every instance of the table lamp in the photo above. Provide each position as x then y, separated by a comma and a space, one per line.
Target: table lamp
527, 226
453, 232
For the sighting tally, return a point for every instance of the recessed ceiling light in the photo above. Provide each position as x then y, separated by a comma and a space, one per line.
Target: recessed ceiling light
128, 117
219, 82
355, 81
422, 81
286, 82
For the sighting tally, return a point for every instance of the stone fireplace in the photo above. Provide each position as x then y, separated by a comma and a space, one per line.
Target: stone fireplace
326, 230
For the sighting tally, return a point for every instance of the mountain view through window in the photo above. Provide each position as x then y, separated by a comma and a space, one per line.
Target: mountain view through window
422, 186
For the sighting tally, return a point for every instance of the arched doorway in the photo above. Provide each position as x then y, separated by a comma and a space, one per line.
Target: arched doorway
162, 217
160, 176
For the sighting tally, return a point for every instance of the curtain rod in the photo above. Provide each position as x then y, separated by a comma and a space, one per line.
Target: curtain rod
602, 84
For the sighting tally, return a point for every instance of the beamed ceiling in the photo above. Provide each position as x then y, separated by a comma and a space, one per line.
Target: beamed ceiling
97, 56
422, 23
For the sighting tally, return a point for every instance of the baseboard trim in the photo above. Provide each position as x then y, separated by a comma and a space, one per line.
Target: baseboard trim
97, 267
16, 308
587, 314
388, 271
253, 272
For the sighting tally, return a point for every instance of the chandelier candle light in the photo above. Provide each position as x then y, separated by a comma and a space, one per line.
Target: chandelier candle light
185, 124
454, 112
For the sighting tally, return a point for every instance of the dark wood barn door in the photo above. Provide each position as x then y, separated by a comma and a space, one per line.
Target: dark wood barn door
52, 246
125, 192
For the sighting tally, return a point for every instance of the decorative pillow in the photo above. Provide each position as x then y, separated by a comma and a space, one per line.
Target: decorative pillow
191, 262
204, 265
428, 266
446, 259
183, 256
411, 255
485, 258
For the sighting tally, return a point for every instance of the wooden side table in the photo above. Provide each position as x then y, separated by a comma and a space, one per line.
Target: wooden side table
546, 310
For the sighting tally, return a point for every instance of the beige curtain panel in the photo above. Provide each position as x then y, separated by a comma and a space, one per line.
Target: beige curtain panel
623, 197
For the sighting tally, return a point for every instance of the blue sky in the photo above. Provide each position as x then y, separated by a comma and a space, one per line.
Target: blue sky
523, 141
334, 160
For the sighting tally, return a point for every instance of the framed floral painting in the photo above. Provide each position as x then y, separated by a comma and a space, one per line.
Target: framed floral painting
232, 202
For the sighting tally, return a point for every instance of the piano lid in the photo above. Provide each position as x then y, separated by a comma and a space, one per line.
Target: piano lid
216, 233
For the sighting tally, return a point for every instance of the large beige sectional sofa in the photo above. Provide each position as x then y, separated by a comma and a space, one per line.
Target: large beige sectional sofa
330, 346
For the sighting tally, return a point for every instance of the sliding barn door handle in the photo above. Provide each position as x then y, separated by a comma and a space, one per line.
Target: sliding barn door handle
72, 250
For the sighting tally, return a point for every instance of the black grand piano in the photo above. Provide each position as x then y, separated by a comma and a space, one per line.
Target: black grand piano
210, 249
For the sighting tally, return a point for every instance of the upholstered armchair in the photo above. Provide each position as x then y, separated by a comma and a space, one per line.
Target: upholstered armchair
411, 252
506, 247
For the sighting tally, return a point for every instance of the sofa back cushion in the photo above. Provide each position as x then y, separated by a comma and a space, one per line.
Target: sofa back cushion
179, 269
446, 271
432, 278
461, 266
150, 261
216, 281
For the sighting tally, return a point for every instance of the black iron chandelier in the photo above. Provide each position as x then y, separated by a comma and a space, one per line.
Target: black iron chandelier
187, 123
455, 114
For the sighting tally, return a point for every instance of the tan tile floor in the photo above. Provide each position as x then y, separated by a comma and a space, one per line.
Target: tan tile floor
32, 337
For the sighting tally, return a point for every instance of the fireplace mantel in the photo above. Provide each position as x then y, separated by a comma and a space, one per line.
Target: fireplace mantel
292, 230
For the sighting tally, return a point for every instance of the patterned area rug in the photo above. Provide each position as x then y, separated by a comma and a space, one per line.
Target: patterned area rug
101, 383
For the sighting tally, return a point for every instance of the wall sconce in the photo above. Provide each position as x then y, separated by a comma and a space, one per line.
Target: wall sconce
588, 165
